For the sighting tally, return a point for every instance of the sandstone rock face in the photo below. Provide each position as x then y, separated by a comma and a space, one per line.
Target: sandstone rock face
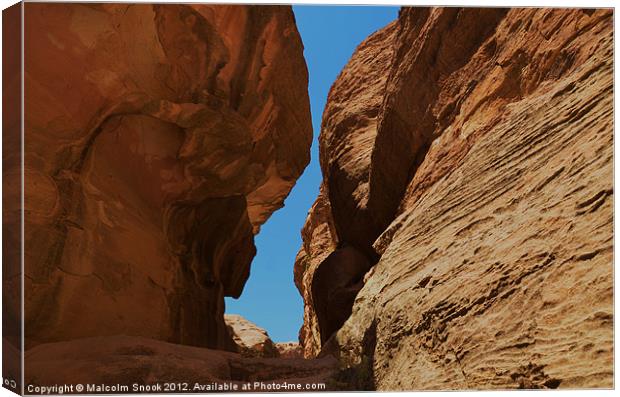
251, 340
158, 139
473, 168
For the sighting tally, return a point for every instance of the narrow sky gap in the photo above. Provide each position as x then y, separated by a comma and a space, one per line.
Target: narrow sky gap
330, 35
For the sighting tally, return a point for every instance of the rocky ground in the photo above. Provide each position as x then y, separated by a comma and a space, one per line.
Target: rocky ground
258, 364
116, 361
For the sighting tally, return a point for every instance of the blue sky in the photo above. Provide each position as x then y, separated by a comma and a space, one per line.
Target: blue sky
330, 35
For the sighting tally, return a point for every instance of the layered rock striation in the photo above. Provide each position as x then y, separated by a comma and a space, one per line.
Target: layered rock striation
158, 139
464, 231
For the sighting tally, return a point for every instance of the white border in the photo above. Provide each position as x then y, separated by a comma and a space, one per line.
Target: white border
484, 3
480, 3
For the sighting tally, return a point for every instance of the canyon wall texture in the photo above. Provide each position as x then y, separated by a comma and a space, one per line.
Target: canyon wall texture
463, 236
158, 139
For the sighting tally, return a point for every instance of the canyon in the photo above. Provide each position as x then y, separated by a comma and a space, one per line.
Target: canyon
462, 237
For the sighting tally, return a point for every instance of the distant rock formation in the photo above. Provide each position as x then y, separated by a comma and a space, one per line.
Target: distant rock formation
159, 138
251, 340
467, 155
289, 350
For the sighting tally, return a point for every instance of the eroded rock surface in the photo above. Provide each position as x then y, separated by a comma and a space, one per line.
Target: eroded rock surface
468, 153
158, 139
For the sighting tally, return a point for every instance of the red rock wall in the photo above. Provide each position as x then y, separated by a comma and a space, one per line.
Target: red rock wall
158, 139
473, 170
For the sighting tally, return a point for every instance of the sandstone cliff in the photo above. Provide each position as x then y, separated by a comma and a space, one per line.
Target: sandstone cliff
158, 139
464, 233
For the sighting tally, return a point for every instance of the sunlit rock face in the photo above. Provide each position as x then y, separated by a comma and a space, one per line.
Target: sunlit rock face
467, 154
158, 139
